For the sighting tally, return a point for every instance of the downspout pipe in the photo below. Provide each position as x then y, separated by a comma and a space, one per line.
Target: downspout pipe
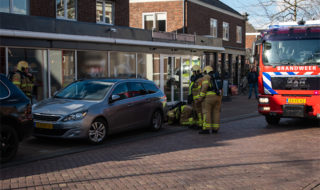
184, 16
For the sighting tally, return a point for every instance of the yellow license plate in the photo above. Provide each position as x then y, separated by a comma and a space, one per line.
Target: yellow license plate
296, 101
44, 125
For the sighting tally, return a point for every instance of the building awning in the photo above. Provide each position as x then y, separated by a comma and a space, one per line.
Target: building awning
97, 39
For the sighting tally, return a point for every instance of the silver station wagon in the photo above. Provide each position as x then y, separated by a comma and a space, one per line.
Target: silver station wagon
94, 108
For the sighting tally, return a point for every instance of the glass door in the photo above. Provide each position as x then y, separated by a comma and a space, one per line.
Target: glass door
172, 77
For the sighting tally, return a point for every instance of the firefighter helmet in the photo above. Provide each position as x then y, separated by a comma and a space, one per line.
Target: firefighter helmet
196, 68
22, 65
208, 69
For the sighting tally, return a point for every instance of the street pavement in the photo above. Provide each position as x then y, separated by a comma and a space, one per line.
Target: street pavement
245, 154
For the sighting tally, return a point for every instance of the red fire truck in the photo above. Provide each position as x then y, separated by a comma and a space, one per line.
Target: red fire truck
289, 71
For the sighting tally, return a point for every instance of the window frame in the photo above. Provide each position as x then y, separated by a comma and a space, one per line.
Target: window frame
227, 31
65, 7
240, 35
103, 12
216, 28
154, 19
11, 7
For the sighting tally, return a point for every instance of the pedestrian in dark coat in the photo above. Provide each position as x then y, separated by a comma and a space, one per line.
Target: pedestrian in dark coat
253, 82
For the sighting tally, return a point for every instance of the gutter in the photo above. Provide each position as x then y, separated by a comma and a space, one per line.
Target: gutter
97, 39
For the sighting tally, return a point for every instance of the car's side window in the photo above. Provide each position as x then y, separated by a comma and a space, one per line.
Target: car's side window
136, 89
121, 90
150, 88
4, 91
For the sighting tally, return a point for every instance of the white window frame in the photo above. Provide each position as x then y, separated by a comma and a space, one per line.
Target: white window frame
103, 12
224, 30
239, 28
216, 29
65, 17
154, 19
11, 7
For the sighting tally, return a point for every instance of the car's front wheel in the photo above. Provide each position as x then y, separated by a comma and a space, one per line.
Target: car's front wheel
156, 121
9, 143
98, 131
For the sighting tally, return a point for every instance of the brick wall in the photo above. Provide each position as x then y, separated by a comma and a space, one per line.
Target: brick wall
249, 40
198, 21
174, 10
45, 8
86, 11
122, 13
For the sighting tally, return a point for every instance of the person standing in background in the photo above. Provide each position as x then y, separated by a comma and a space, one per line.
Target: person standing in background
253, 82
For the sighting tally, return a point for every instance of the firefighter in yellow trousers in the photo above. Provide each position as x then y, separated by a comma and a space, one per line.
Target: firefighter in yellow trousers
182, 114
194, 90
23, 79
210, 95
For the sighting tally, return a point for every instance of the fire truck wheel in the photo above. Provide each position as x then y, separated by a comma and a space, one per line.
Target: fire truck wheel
272, 120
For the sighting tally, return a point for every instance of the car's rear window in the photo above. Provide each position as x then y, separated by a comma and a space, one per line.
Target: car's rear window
150, 88
136, 89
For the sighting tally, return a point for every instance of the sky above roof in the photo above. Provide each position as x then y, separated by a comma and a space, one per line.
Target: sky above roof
252, 7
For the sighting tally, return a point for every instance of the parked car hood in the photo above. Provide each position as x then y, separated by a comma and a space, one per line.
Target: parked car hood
54, 106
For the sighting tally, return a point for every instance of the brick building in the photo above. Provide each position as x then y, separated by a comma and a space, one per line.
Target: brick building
67, 40
210, 18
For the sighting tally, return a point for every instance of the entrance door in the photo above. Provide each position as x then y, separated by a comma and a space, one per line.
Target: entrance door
176, 75
172, 78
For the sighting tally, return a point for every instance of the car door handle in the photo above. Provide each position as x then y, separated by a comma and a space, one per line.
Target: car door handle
129, 105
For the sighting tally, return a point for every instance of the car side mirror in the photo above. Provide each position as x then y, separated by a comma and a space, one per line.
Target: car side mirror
114, 98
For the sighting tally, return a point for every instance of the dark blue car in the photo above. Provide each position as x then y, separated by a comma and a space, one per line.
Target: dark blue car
15, 118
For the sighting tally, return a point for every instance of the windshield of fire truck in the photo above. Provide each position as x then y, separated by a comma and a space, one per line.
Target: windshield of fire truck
291, 52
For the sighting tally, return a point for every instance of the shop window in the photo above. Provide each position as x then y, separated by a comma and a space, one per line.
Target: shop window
62, 69
122, 65
92, 64
239, 34
66, 9
37, 61
155, 21
14, 6
225, 31
146, 67
105, 12
213, 28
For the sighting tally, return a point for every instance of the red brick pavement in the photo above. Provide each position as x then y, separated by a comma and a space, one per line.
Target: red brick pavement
243, 155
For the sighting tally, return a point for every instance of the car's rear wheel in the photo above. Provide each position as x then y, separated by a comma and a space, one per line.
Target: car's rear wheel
98, 131
9, 143
156, 121
272, 120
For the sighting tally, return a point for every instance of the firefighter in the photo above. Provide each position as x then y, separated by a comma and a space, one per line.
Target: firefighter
180, 113
210, 95
23, 79
194, 90
186, 115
